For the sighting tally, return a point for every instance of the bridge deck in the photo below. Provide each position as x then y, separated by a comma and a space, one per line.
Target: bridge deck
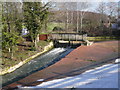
68, 36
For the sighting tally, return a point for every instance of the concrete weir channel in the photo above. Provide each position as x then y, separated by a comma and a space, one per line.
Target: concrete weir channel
39, 63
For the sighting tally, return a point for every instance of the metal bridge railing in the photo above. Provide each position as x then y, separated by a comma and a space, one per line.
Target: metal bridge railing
68, 36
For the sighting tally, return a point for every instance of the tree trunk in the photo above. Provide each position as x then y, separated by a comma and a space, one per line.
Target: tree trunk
81, 25
81, 20
9, 50
37, 39
45, 26
77, 21
8, 27
12, 53
71, 17
67, 20
36, 47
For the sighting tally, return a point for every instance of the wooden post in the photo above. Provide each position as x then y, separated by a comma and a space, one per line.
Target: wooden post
69, 43
76, 37
69, 37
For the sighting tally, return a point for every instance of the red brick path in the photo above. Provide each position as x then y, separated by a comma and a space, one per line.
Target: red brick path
79, 57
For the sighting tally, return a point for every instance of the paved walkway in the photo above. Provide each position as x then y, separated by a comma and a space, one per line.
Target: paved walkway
105, 76
80, 57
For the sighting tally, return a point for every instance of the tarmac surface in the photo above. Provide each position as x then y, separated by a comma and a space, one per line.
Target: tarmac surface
70, 65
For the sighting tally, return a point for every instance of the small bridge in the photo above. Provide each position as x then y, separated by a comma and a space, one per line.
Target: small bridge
68, 36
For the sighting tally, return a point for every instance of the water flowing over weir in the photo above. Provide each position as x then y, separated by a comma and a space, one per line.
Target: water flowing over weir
35, 65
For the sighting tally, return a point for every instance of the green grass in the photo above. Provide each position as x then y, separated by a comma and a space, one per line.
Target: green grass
100, 38
42, 43
51, 25
44, 33
20, 54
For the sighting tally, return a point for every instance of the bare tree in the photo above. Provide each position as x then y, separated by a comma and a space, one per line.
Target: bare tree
102, 10
67, 15
112, 8
71, 19
73, 7
82, 7
62, 7
70, 8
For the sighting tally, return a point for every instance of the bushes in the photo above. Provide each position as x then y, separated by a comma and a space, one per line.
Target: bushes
58, 29
99, 31
9, 40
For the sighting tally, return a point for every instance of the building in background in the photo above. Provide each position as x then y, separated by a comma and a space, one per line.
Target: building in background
24, 31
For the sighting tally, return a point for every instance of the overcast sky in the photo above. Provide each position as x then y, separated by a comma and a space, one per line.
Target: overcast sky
94, 3
82, 0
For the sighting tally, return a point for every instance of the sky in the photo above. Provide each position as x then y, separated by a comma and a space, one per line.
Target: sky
94, 3
62, 0
82, 0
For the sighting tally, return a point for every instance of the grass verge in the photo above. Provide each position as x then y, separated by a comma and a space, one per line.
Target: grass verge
22, 56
